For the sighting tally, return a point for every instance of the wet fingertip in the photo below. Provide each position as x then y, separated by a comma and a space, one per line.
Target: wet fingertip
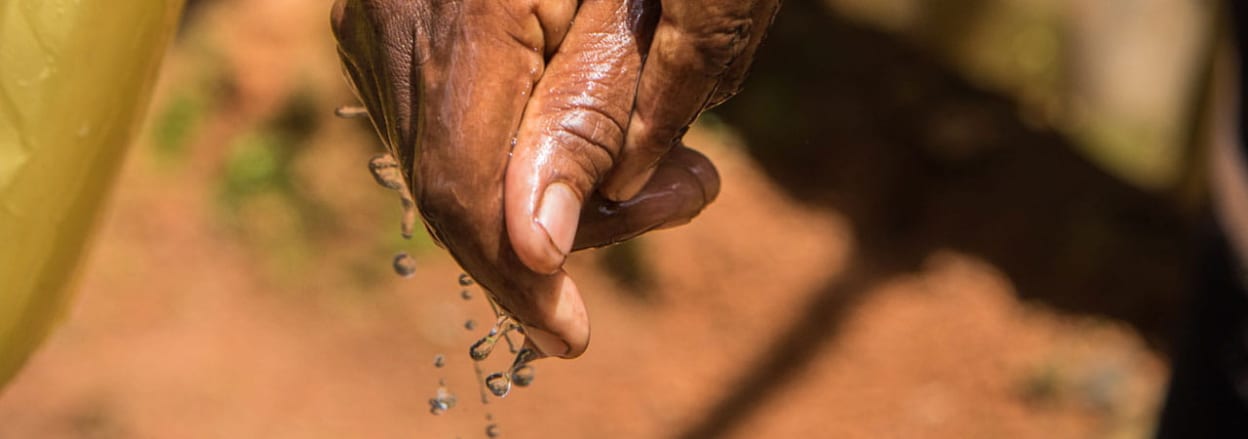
708, 177
545, 343
564, 330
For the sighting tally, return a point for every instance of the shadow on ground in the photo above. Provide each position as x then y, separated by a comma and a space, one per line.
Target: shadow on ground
919, 160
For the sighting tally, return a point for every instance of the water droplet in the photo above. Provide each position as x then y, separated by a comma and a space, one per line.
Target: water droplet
524, 357
404, 265
499, 384
442, 402
465, 280
408, 224
511, 345
465, 294
470, 325
482, 348
521, 372
439, 360
385, 170
492, 430
351, 111
523, 376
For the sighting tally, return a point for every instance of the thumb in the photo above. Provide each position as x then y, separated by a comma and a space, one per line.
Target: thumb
573, 127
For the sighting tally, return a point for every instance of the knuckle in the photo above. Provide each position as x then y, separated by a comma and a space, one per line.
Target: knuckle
715, 43
590, 138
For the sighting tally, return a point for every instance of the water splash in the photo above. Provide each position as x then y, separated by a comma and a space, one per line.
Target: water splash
482, 348
521, 372
444, 400
404, 265
386, 172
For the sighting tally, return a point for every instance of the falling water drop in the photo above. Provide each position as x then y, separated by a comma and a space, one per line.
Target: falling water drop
499, 384
482, 348
351, 111
439, 360
442, 402
408, 224
522, 376
465, 294
492, 430
470, 325
521, 372
385, 170
465, 280
404, 265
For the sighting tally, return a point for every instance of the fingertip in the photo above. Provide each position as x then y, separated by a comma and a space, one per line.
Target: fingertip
563, 330
701, 167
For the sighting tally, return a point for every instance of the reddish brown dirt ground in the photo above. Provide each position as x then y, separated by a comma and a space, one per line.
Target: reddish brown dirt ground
188, 327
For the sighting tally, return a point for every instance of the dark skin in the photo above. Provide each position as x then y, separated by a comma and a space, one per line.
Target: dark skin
507, 116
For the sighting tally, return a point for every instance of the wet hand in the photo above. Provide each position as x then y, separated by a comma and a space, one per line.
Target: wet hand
455, 88
700, 56
595, 126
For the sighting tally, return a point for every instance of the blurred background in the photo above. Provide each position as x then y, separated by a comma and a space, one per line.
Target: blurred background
954, 219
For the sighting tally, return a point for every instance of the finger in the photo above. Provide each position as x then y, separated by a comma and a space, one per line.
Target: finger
684, 184
446, 84
469, 120
572, 128
695, 44
563, 328
730, 84
381, 77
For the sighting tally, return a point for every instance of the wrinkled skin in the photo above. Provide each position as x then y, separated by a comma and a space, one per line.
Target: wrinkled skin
487, 103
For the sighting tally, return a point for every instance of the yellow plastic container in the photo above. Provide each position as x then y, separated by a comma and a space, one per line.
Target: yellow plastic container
75, 80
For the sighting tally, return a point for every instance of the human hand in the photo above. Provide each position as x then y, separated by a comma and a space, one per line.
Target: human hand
701, 52
448, 85
700, 57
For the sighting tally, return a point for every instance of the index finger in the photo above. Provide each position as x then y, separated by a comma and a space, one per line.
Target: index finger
698, 45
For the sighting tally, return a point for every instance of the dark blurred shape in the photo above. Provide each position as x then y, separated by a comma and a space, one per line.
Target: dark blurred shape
1210, 370
859, 121
190, 11
1208, 394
